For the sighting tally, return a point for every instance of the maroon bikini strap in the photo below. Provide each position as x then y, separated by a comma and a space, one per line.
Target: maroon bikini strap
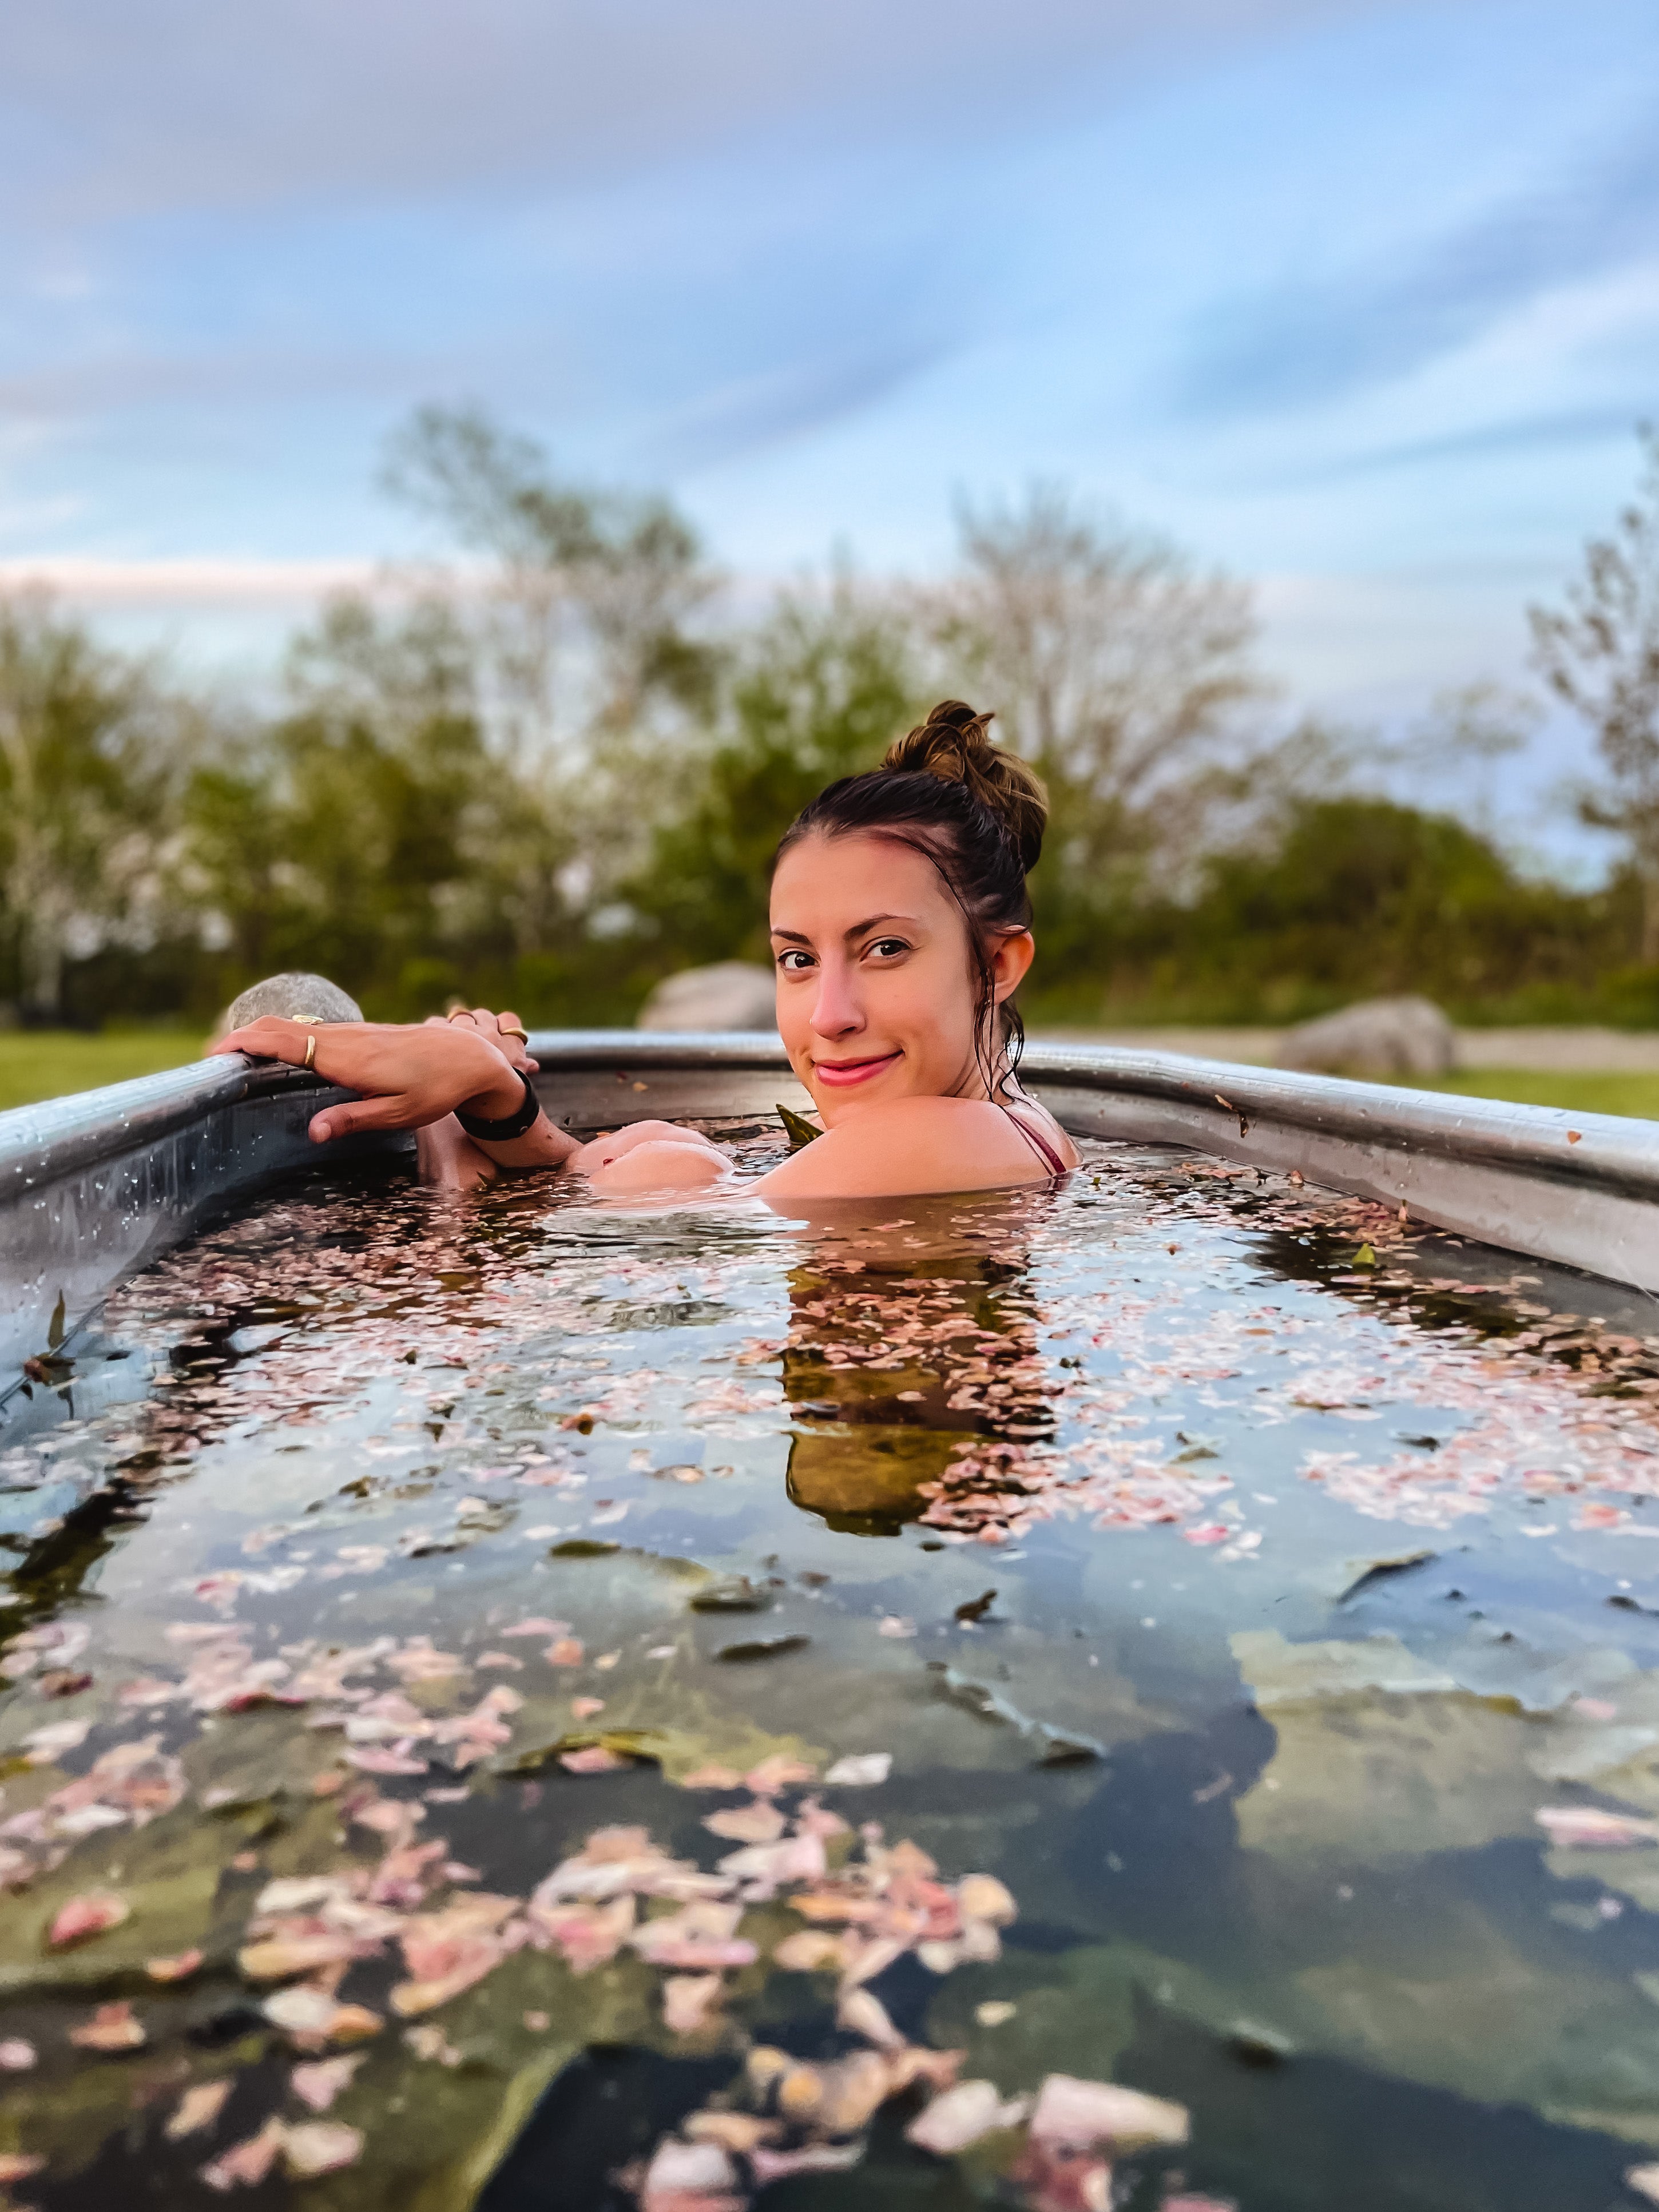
1035, 1137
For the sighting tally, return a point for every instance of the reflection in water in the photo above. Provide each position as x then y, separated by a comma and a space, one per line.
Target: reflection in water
913, 1360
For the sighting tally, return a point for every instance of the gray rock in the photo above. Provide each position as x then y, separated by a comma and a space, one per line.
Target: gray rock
1407, 1035
733, 995
292, 998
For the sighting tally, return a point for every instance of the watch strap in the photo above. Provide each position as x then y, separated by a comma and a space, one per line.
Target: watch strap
512, 1125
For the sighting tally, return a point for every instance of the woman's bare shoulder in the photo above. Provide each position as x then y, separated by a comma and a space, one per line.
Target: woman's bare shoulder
907, 1147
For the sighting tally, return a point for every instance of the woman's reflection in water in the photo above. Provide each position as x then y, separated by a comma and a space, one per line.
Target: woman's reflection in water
913, 1363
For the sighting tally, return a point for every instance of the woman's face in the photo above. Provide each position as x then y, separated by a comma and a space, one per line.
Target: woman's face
875, 987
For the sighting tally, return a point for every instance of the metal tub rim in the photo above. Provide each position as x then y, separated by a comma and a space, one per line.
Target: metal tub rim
96, 1185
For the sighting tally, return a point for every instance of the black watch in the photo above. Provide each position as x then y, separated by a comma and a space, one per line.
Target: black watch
514, 1125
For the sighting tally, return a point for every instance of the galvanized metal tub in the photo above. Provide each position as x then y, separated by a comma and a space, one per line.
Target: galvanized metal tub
94, 1186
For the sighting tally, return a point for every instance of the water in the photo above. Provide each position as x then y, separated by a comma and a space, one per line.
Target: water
1232, 1573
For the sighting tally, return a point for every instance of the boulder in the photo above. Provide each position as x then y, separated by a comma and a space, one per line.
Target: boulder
1407, 1035
292, 997
733, 995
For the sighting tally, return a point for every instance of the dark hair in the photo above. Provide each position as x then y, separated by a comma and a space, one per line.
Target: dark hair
978, 814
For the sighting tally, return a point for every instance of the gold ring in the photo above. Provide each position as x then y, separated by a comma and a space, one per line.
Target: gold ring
310, 1049
523, 1035
463, 1014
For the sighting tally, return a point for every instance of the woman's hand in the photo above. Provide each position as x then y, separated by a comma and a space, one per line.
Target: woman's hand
504, 1030
409, 1076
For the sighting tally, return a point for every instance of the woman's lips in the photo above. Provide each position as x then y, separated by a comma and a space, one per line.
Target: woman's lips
843, 1073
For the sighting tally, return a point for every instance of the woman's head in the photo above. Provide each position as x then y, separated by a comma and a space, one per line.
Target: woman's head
901, 920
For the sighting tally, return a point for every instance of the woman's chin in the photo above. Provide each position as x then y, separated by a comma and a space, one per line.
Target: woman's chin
835, 1101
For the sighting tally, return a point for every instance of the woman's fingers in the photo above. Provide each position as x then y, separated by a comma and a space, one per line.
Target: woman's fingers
494, 1028
268, 1038
517, 1048
353, 1115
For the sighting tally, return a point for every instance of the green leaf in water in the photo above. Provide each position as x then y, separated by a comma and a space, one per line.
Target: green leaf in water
1364, 1257
735, 1595
638, 1743
798, 1130
762, 1647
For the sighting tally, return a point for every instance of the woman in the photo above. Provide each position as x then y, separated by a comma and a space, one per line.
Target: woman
901, 930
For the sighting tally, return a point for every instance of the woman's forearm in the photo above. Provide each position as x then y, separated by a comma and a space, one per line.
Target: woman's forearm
541, 1145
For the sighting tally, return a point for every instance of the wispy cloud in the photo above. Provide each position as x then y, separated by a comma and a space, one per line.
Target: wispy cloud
93, 582
111, 110
1506, 441
1306, 345
763, 409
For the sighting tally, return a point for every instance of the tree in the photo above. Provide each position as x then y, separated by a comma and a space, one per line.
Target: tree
1600, 654
1357, 895
1468, 734
819, 692
90, 751
592, 589
371, 832
1112, 666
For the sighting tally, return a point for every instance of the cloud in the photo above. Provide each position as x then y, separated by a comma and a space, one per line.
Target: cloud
110, 112
778, 404
1308, 345
120, 381
203, 582
1579, 425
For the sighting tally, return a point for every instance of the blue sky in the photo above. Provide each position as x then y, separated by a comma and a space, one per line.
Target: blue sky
1357, 299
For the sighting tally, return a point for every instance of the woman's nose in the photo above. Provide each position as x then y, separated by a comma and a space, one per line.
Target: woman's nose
836, 1013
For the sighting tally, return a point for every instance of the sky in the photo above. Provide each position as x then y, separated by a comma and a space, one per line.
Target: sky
1356, 300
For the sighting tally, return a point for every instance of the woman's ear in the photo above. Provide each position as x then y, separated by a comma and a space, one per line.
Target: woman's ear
1012, 956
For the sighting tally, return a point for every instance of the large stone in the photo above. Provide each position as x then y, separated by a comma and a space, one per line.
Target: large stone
733, 995
1407, 1035
292, 997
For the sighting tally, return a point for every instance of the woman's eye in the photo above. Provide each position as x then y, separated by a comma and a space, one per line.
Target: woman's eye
787, 962
888, 948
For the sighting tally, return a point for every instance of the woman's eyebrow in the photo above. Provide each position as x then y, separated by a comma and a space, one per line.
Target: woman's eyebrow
799, 937
858, 927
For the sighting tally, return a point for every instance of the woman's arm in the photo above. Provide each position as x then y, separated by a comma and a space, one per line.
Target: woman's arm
409, 1077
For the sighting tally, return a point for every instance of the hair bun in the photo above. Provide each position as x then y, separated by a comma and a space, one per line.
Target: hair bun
954, 745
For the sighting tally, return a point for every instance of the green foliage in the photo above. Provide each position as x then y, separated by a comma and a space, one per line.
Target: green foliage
89, 759
373, 835
1362, 895
548, 788
820, 692
1349, 898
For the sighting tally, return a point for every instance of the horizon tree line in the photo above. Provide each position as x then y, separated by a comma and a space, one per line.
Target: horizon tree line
566, 781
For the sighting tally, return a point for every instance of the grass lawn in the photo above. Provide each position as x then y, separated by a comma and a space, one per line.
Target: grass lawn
44, 1063
1580, 1093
